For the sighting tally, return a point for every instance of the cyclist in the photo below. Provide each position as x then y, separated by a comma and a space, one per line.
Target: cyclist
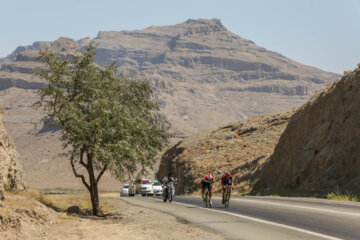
168, 180
207, 182
226, 179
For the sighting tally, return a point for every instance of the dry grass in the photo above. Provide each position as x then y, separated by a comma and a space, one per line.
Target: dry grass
25, 199
64, 201
58, 202
343, 196
348, 197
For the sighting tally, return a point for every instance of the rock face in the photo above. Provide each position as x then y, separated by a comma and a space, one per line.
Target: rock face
240, 148
19, 73
320, 148
36, 46
203, 76
11, 171
199, 67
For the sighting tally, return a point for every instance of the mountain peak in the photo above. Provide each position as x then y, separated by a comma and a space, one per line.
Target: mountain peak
202, 25
213, 21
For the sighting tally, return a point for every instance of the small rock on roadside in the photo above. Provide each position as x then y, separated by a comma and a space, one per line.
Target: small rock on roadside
73, 209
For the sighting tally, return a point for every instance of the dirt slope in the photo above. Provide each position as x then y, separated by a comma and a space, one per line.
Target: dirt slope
320, 148
239, 147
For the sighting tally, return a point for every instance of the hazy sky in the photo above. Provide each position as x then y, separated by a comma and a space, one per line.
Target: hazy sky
321, 33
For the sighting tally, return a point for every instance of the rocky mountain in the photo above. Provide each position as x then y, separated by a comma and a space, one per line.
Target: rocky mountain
11, 171
320, 148
199, 67
240, 147
202, 74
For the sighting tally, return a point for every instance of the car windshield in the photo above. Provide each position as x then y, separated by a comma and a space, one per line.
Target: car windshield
126, 186
145, 182
157, 184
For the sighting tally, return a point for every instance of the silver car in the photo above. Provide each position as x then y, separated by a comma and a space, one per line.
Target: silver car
157, 188
124, 191
146, 188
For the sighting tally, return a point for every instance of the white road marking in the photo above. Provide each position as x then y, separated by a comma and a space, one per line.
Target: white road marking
311, 201
262, 221
297, 206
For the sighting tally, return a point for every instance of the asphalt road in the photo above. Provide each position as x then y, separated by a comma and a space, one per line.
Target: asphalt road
265, 217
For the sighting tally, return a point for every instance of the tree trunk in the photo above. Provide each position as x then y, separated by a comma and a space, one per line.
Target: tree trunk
94, 194
92, 186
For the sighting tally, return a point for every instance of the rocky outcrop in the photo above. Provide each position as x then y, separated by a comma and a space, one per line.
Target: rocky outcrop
19, 73
11, 172
36, 46
239, 147
320, 148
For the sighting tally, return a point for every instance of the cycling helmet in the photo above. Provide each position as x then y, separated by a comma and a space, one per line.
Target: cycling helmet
208, 177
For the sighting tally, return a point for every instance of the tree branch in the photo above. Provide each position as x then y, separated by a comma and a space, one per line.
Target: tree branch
101, 173
82, 150
79, 175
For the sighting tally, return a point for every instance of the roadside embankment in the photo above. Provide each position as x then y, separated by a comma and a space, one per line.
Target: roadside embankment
22, 216
319, 151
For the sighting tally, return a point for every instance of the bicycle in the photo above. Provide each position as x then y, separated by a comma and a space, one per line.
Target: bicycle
207, 198
227, 196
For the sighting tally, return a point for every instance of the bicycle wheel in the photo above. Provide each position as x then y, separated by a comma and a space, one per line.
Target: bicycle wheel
227, 198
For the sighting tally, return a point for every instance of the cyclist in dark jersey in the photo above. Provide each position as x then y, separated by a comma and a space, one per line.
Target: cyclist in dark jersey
226, 179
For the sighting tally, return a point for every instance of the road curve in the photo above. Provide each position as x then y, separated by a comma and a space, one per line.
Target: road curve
265, 217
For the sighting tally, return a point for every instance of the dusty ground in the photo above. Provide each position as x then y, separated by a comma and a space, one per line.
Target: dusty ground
22, 217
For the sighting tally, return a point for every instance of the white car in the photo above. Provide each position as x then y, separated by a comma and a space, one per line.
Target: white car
157, 188
146, 188
124, 191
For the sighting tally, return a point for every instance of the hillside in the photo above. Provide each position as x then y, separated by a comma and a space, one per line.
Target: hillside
11, 170
199, 67
320, 149
240, 147
202, 74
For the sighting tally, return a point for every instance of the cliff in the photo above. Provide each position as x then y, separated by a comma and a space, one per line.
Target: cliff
320, 149
11, 172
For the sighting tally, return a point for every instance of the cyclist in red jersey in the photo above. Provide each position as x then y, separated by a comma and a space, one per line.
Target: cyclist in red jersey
226, 179
207, 182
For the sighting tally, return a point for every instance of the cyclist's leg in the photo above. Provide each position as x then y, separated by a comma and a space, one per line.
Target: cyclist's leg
223, 194
210, 190
230, 188
202, 191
